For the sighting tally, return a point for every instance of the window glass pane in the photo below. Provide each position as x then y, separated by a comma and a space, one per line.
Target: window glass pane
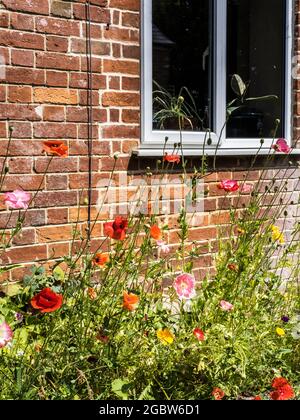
182, 58
256, 51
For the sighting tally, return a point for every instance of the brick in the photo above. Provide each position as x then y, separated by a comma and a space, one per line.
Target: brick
18, 112
4, 20
26, 182
53, 113
98, 47
24, 76
97, 14
57, 216
33, 218
120, 131
77, 114
131, 83
56, 78
83, 98
33, 6
57, 165
114, 115
121, 66
57, 43
55, 96
2, 93
56, 199
120, 99
55, 130
116, 50
133, 5
3, 131
24, 148
20, 165
22, 58
21, 40
56, 182
54, 233
130, 19
83, 132
57, 61
96, 64
80, 147
22, 94
57, 26
26, 237
61, 8
22, 21
27, 254
114, 83
131, 51
21, 130
120, 34
80, 81
58, 250
130, 116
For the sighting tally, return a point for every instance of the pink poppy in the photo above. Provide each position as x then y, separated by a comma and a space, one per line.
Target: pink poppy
6, 334
185, 286
226, 306
282, 146
229, 186
17, 199
199, 334
163, 247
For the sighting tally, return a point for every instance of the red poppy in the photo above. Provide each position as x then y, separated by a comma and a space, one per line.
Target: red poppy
199, 334
229, 186
100, 260
279, 382
117, 229
56, 147
283, 390
156, 233
283, 393
47, 301
218, 393
130, 301
233, 267
172, 158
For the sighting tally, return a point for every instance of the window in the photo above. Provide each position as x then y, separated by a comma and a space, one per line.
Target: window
192, 48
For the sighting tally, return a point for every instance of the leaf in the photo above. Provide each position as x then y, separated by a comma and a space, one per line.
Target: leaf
231, 109
59, 273
11, 289
118, 386
145, 394
237, 85
261, 98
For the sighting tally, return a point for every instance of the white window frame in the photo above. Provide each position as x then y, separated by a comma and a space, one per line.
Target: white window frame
153, 141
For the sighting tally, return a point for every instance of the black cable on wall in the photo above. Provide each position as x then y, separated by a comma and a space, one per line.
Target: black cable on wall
89, 111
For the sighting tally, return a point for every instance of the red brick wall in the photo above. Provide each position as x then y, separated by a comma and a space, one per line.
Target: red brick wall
43, 95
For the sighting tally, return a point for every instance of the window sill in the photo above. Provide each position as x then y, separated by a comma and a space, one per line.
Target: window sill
149, 152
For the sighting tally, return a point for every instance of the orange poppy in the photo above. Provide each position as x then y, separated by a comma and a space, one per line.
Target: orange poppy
100, 260
56, 147
92, 293
172, 158
156, 233
130, 301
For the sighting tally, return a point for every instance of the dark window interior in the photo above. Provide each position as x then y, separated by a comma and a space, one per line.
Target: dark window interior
256, 50
181, 57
